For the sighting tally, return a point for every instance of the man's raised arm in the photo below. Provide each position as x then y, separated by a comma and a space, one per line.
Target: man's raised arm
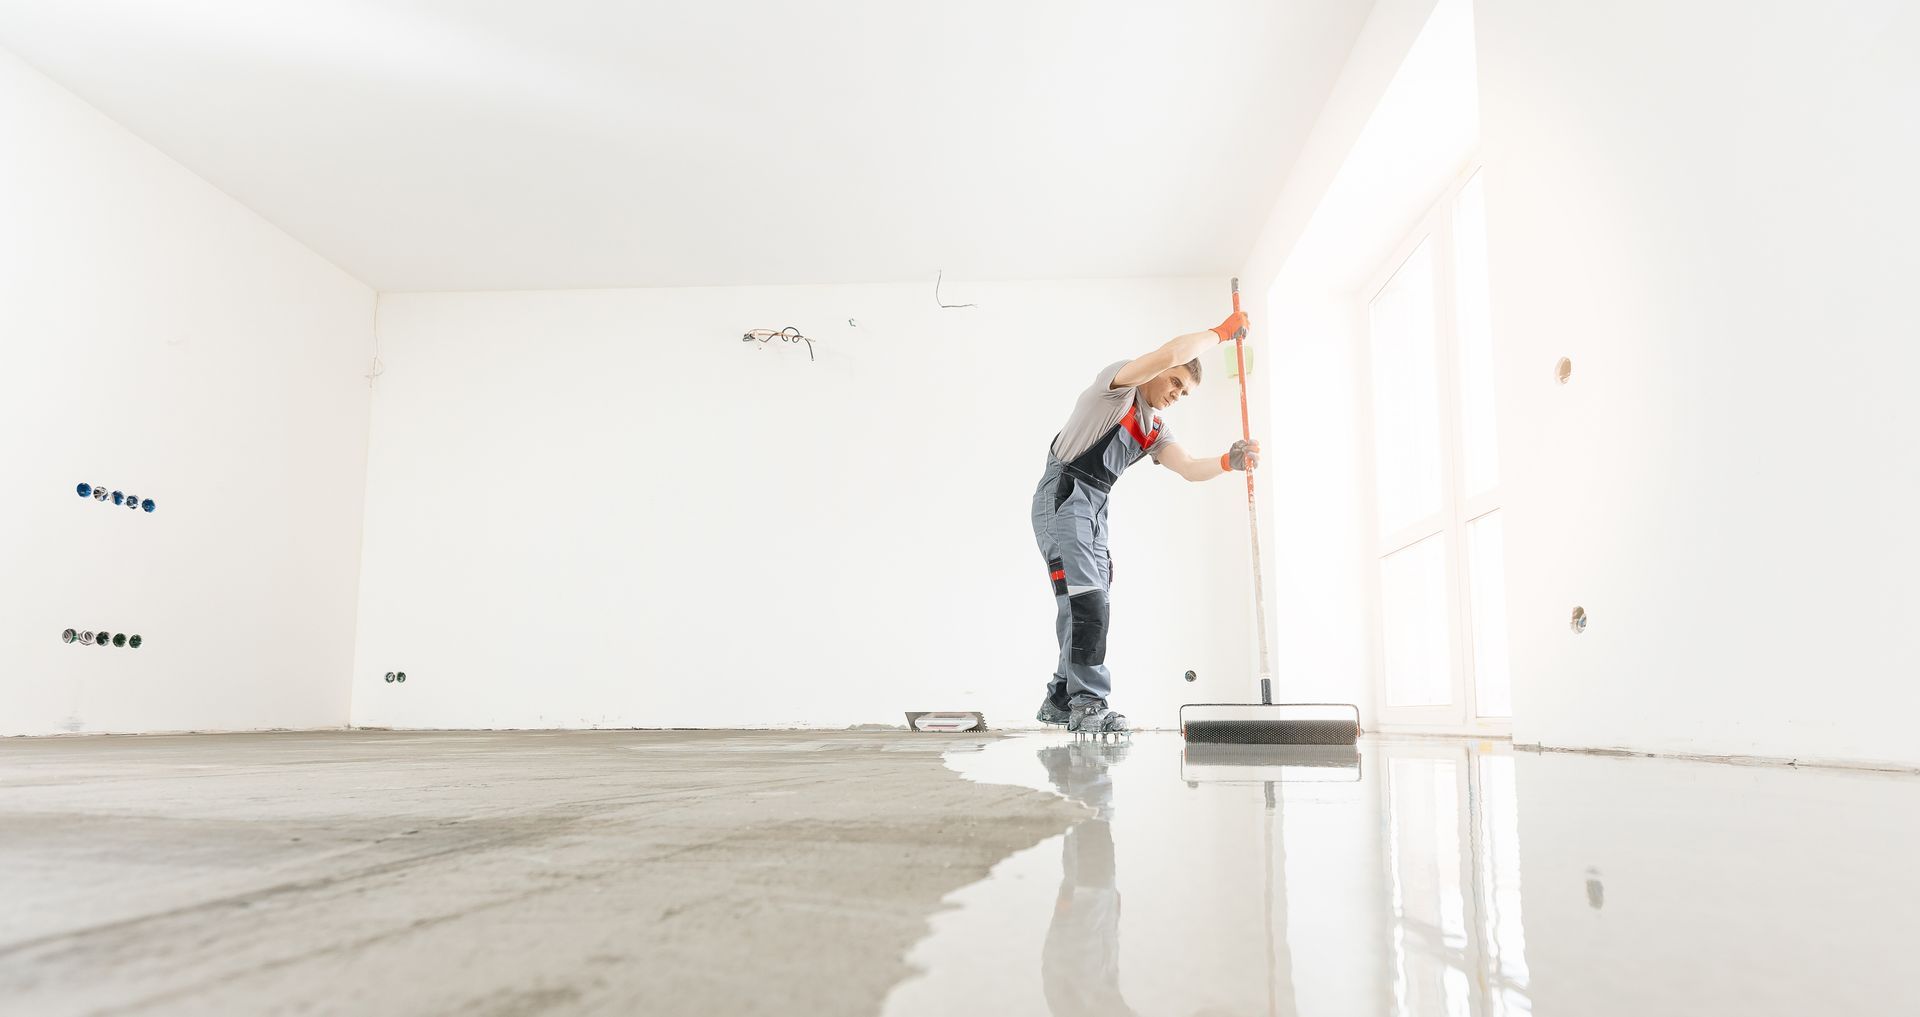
1179, 350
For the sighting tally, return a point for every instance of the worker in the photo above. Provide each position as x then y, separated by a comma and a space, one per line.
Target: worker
1115, 423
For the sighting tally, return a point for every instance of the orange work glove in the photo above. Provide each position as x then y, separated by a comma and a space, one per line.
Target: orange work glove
1245, 455
1232, 328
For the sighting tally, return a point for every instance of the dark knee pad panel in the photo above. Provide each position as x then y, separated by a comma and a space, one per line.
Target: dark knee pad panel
1089, 627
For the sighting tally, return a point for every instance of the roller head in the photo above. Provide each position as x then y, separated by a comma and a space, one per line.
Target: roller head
1272, 732
1277, 724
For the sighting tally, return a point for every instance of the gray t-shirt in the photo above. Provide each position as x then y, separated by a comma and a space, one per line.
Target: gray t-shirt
1099, 408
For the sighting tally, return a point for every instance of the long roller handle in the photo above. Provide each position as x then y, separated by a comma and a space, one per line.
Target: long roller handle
1253, 514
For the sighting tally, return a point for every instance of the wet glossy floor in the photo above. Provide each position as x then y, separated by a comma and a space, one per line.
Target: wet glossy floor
1443, 877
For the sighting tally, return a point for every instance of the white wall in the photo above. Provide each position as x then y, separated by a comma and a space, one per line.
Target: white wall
601, 508
163, 340
1389, 33
1318, 488
1708, 207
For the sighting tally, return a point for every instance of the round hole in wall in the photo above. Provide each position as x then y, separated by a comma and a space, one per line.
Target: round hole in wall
119, 639
133, 642
147, 504
86, 639
1579, 620
99, 493
1191, 676
86, 490
119, 498
69, 636
1563, 370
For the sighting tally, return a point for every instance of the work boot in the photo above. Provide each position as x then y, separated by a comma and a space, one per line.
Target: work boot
1094, 716
1053, 711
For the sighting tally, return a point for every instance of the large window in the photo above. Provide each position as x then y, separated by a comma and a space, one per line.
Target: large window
1442, 625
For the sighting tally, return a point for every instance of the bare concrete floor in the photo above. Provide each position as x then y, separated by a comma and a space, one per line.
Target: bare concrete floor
486, 873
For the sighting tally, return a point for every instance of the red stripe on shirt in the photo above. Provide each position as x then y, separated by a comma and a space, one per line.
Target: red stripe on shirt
1132, 423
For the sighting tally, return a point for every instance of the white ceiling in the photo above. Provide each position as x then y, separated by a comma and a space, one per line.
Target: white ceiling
513, 144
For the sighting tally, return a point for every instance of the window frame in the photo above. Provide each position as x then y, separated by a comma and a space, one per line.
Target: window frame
1458, 510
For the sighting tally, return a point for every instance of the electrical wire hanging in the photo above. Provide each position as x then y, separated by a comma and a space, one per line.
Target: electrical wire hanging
936, 293
790, 334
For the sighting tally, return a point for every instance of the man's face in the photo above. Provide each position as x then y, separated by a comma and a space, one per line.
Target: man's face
1168, 387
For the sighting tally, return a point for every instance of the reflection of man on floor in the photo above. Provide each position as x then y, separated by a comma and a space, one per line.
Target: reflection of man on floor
1080, 963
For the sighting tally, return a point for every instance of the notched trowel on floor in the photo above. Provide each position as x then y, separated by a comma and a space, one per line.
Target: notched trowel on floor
947, 721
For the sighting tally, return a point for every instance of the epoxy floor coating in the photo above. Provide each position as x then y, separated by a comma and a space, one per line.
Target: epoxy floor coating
860, 873
1444, 877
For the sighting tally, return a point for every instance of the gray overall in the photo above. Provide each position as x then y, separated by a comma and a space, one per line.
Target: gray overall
1070, 525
